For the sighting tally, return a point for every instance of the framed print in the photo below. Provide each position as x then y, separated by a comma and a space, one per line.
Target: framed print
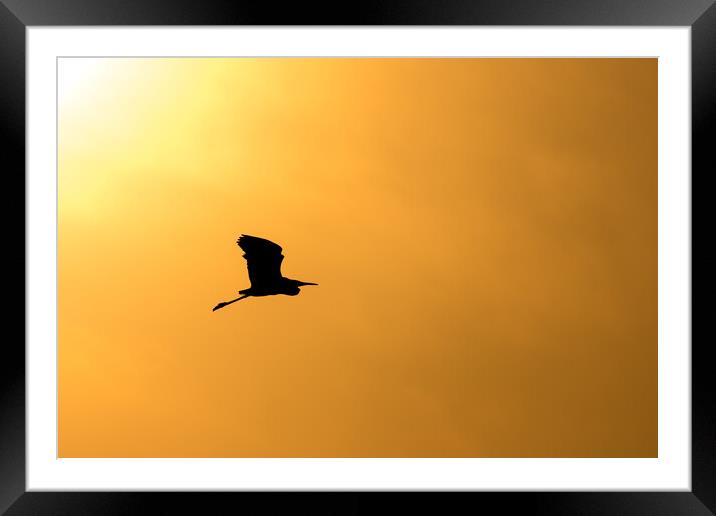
414, 249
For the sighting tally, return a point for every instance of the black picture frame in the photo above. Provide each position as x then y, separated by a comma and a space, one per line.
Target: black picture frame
17, 15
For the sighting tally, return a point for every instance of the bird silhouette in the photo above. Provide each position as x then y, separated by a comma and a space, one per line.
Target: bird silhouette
263, 259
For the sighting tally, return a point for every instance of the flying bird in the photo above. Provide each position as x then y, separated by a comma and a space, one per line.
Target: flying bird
263, 259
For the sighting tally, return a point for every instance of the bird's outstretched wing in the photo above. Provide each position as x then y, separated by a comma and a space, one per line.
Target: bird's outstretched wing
263, 259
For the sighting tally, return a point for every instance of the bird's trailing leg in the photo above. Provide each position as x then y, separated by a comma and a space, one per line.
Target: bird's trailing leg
222, 305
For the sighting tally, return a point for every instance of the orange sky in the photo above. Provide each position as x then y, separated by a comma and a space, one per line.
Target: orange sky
484, 232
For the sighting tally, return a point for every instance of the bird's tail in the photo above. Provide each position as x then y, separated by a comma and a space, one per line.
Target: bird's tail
222, 305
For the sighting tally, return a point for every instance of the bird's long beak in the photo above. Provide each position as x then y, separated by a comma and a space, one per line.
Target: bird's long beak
302, 283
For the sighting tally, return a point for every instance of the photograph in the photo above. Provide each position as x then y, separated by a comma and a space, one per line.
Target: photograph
475, 242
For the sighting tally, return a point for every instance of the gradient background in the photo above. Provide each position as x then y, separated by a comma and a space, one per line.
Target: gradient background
484, 232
